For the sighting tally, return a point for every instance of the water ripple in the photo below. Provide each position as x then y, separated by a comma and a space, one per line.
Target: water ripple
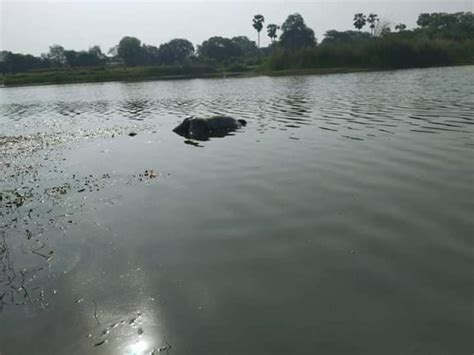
373, 103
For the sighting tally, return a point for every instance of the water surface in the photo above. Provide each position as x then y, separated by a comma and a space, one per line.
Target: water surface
338, 221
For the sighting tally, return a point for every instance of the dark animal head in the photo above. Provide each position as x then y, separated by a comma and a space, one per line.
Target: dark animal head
193, 128
243, 122
183, 128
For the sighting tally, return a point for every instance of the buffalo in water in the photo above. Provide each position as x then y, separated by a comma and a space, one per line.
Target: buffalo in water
202, 129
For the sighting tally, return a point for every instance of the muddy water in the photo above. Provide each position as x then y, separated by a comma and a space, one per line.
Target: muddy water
338, 221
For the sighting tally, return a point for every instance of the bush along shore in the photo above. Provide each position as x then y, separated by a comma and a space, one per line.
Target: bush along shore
105, 73
439, 39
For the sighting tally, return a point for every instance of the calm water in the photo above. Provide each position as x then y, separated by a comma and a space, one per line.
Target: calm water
339, 221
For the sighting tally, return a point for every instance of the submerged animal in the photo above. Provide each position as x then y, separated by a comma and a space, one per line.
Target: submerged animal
204, 128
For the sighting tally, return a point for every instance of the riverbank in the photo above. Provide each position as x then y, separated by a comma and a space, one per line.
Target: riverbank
108, 74
95, 75
132, 74
30, 81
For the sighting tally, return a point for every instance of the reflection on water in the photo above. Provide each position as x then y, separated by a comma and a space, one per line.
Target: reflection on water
339, 220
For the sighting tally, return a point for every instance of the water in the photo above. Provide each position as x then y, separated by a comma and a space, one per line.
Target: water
339, 221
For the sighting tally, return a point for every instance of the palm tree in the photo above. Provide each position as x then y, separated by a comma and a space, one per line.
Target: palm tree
401, 27
272, 31
359, 21
258, 21
372, 19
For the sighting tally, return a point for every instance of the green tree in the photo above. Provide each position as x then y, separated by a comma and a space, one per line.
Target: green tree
401, 27
458, 26
97, 52
382, 29
130, 51
247, 47
372, 19
295, 34
150, 54
15, 62
272, 31
91, 58
258, 21
359, 21
219, 49
423, 20
386, 30
71, 58
113, 51
334, 36
56, 55
176, 51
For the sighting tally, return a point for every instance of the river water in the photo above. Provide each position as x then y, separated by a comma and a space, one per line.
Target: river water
339, 221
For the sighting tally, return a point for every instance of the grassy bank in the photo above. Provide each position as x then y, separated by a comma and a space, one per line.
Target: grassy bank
365, 55
104, 74
95, 75
60, 77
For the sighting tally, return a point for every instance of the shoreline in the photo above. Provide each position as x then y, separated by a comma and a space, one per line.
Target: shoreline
223, 75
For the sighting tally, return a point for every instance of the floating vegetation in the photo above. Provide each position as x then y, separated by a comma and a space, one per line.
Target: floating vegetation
58, 190
165, 347
15, 282
101, 343
150, 174
39, 201
14, 198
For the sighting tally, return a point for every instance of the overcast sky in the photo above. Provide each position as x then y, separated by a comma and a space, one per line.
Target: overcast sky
32, 26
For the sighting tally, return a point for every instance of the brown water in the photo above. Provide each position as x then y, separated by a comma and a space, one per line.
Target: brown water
339, 221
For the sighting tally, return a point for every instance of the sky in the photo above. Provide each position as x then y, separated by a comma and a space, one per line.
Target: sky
32, 26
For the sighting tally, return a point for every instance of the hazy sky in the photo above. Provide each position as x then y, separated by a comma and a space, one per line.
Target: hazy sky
32, 26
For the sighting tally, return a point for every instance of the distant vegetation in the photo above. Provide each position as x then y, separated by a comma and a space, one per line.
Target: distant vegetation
439, 39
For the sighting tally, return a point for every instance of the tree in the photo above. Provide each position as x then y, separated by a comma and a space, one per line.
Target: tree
386, 30
334, 36
423, 20
113, 51
56, 56
130, 51
401, 27
97, 52
71, 58
247, 47
272, 31
295, 33
150, 54
382, 28
219, 49
15, 62
258, 21
458, 26
176, 51
359, 21
372, 19
91, 58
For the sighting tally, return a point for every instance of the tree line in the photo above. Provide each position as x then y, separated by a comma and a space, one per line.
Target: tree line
287, 39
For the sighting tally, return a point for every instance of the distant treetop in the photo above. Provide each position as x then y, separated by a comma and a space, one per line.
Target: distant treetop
295, 33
